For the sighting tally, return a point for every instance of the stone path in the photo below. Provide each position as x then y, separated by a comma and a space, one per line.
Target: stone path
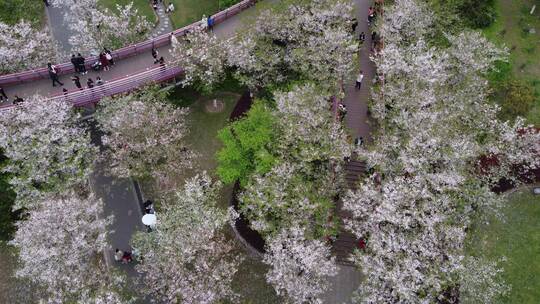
164, 23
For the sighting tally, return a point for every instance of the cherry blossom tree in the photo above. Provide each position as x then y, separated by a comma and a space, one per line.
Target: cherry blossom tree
96, 27
435, 125
61, 246
23, 47
300, 267
286, 197
309, 130
144, 134
203, 58
48, 150
186, 258
311, 41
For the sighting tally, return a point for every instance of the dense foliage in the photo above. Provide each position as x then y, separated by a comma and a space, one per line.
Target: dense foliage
72, 270
428, 183
186, 258
47, 149
145, 135
248, 145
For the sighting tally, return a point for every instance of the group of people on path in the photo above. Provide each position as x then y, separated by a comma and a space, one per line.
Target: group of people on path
4, 97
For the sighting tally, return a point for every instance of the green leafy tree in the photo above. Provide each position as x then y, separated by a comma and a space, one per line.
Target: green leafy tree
248, 145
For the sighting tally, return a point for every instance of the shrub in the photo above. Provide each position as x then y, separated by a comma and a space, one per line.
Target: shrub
517, 99
247, 145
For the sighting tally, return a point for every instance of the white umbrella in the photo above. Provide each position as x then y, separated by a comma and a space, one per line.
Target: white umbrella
149, 219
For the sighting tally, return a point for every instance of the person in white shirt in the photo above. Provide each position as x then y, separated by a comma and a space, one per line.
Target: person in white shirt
359, 80
204, 22
170, 8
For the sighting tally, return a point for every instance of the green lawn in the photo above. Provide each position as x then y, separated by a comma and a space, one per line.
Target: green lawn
189, 11
143, 6
518, 239
12, 11
512, 28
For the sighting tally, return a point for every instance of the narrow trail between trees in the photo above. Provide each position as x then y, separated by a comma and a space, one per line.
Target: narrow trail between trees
349, 277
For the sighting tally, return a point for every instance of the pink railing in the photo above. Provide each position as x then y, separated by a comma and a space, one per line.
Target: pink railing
128, 51
88, 96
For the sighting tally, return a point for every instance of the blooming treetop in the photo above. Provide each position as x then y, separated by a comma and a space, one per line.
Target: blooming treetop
185, 258
309, 131
435, 125
96, 27
286, 197
23, 47
144, 134
202, 57
61, 246
309, 41
299, 267
48, 150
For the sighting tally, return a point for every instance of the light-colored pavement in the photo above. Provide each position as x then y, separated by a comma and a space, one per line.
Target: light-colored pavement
60, 30
164, 23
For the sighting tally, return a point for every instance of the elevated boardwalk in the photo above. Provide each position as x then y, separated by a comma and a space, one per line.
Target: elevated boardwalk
133, 61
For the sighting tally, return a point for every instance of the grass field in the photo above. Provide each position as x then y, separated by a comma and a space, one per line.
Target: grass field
513, 29
518, 239
12, 11
189, 11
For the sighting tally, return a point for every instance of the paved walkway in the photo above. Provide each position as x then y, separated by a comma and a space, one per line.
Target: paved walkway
60, 30
349, 277
122, 68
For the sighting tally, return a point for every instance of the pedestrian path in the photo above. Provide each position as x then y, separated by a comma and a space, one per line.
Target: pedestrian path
349, 277
122, 68
59, 29
164, 24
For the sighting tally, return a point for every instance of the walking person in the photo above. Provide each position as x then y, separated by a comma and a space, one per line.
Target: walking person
104, 61
81, 61
211, 23
75, 63
108, 55
161, 61
3, 95
359, 80
118, 254
77, 81
354, 25
170, 8
99, 81
90, 83
362, 37
46, 3
154, 54
342, 112
53, 73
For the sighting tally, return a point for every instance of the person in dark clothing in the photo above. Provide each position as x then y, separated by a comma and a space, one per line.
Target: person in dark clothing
362, 37
75, 63
354, 25
148, 207
3, 95
81, 60
17, 100
161, 60
154, 54
99, 81
64, 91
90, 83
77, 81
104, 61
46, 2
53, 73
